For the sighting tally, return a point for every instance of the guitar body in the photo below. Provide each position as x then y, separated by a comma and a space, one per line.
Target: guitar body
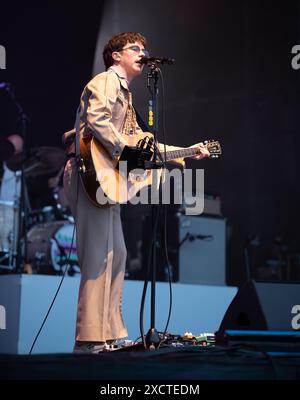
105, 184
87, 171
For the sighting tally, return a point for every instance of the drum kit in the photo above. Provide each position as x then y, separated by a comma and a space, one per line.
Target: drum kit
49, 245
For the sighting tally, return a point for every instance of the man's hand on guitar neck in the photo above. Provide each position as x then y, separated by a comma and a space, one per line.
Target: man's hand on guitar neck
203, 151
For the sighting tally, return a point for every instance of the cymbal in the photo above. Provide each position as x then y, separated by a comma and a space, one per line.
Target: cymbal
44, 160
39, 161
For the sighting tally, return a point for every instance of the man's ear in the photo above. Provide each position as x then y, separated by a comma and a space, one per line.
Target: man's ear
116, 56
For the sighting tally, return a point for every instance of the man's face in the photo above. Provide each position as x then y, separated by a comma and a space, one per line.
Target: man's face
129, 58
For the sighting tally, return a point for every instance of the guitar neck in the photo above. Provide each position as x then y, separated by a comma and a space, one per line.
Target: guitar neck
182, 153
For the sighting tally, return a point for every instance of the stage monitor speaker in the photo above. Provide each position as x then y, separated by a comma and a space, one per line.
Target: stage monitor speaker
262, 306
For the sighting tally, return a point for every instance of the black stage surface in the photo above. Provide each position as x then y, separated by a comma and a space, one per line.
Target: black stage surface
238, 361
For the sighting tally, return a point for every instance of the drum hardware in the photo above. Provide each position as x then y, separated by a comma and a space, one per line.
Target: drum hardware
20, 211
17, 220
58, 194
9, 228
41, 215
49, 246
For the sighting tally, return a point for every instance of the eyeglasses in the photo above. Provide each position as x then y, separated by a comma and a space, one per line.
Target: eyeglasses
136, 49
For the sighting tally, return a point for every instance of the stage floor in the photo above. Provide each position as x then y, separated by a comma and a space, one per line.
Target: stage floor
26, 300
239, 361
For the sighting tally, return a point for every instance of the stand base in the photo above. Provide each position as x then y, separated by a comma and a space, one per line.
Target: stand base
152, 339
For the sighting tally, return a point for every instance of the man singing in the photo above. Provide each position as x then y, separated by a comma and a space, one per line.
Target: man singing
107, 116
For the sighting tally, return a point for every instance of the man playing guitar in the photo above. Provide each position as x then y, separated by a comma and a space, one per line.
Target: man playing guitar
106, 120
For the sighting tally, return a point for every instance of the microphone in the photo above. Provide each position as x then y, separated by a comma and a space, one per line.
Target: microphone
193, 237
156, 60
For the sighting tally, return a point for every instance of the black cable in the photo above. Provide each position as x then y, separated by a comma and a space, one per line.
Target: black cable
136, 340
259, 349
62, 279
169, 275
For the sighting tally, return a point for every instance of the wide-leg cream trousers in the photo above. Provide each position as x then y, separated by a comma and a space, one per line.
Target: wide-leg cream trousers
102, 256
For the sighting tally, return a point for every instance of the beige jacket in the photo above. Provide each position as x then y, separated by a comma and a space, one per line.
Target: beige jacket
103, 106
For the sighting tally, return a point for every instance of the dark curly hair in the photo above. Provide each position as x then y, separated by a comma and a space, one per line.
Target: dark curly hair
117, 42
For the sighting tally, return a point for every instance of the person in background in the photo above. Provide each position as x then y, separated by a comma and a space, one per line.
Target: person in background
10, 146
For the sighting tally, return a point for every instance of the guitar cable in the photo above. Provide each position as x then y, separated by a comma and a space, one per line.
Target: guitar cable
67, 265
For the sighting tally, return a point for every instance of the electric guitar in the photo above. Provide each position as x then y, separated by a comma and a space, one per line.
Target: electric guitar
107, 182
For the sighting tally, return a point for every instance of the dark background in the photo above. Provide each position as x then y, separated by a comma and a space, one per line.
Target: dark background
232, 81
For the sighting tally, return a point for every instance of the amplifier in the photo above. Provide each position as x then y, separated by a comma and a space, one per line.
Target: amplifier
196, 249
202, 250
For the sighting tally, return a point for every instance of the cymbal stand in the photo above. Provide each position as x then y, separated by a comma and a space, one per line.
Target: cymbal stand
22, 253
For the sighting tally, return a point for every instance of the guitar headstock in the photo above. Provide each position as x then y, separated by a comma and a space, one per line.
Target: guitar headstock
214, 148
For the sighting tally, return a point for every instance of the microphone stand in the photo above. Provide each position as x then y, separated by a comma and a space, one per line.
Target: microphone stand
152, 337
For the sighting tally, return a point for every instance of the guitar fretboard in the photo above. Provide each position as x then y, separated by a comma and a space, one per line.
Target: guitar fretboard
183, 153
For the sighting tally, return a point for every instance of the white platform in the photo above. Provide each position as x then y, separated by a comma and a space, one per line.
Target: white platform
26, 299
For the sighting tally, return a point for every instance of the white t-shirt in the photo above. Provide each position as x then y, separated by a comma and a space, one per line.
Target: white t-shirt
10, 185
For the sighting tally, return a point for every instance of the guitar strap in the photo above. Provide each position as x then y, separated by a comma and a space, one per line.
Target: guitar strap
129, 127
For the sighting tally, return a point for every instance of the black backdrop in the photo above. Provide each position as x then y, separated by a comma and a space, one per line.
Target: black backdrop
245, 92
50, 49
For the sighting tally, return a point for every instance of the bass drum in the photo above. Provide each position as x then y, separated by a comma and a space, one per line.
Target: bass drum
49, 245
